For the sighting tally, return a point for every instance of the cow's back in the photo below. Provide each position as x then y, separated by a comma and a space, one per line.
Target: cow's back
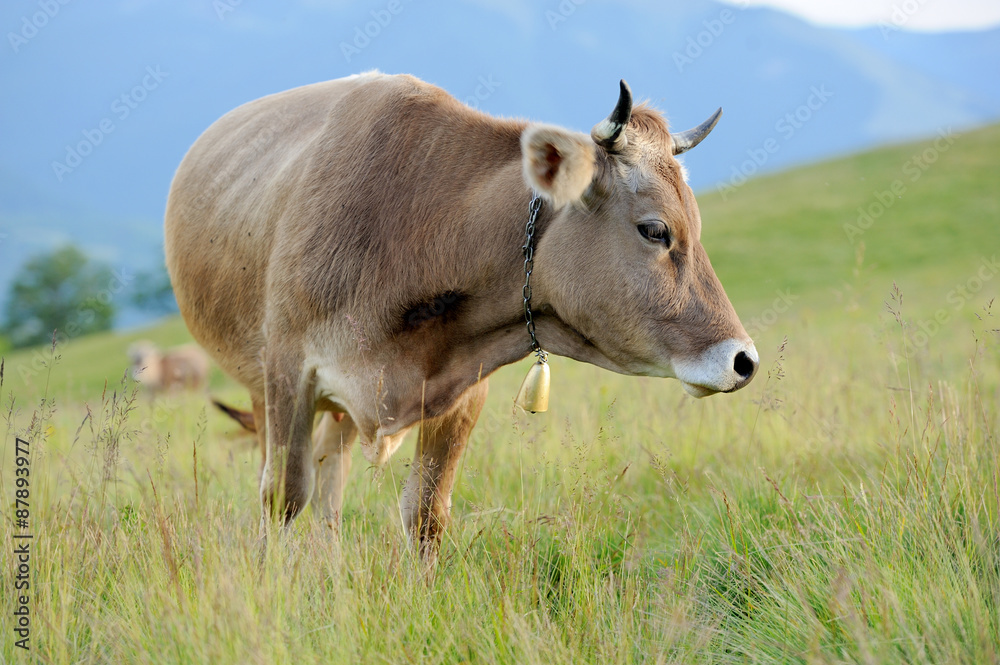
335, 202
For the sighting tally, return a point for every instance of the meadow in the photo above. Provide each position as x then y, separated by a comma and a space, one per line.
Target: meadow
843, 508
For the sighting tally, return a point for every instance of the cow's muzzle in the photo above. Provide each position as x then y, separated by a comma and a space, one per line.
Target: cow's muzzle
722, 368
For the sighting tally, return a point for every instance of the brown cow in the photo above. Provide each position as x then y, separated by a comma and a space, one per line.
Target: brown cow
183, 367
355, 246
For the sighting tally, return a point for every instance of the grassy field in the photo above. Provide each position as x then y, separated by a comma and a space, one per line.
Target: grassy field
845, 507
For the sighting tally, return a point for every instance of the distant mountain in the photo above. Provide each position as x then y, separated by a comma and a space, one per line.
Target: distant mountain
133, 83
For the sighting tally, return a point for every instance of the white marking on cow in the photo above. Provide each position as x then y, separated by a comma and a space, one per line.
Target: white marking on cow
713, 371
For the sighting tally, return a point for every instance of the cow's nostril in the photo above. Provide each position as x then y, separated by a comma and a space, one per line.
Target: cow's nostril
744, 365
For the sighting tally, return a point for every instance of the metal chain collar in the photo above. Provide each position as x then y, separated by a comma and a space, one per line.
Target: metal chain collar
529, 260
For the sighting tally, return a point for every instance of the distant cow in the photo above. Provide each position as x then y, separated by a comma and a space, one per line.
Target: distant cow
183, 367
358, 247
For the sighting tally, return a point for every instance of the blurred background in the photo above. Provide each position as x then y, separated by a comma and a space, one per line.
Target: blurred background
103, 99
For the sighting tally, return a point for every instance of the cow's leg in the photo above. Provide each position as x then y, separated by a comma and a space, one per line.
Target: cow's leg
332, 459
260, 422
426, 501
290, 404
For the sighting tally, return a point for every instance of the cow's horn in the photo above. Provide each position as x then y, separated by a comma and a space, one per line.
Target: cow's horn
610, 133
684, 141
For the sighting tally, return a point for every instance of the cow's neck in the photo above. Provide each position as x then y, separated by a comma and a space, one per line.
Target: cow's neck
465, 325
451, 339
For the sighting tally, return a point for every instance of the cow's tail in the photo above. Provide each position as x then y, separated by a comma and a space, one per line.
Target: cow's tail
244, 418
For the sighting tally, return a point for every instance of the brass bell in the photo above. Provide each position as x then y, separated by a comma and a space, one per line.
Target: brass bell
534, 393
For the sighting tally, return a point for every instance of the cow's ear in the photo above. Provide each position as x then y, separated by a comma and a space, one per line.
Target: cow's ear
558, 163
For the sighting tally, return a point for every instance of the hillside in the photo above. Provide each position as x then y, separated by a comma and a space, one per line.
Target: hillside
801, 229
794, 236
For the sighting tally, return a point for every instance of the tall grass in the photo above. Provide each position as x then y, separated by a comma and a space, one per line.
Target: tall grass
844, 508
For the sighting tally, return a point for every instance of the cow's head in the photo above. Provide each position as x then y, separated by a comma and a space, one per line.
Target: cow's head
620, 277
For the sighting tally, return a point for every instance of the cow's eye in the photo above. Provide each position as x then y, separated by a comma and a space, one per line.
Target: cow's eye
655, 232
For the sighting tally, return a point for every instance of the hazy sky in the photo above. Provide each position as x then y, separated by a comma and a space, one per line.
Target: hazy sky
930, 15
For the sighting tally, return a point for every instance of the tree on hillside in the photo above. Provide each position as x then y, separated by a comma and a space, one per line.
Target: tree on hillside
61, 291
